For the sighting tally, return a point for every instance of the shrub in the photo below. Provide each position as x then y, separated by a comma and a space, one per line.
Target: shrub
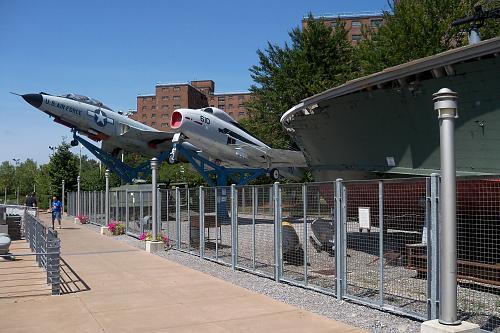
161, 237
116, 227
83, 219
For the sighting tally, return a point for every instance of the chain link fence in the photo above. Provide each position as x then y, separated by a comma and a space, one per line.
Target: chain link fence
373, 242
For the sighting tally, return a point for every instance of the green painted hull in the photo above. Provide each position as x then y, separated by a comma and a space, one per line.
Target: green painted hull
395, 131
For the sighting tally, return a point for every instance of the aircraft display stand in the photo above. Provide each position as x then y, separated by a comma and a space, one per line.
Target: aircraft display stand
123, 170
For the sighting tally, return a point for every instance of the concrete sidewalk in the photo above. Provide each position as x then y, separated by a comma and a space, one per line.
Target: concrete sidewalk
112, 287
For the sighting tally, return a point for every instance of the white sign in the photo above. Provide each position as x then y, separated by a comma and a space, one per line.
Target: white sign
364, 217
390, 161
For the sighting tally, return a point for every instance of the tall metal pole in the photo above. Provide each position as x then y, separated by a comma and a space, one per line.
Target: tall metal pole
62, 198
445, 102
78, 196
154, 169
106, 198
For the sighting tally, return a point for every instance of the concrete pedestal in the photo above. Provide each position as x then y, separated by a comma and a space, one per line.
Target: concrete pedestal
154, 246
433, 326
105, 231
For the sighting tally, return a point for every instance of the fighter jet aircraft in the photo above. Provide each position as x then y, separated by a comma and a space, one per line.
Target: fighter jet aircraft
97, 121
215, 134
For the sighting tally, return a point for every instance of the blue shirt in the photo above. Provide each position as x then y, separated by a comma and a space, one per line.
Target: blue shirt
56, 206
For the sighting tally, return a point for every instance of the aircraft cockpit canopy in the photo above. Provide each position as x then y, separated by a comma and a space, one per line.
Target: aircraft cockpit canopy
219, 114
86, 100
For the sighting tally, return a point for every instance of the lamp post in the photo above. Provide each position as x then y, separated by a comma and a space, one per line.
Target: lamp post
16, 161
445, 103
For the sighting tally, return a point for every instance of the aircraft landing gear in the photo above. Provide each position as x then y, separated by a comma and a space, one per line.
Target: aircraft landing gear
171, 159
74, 143
274, 174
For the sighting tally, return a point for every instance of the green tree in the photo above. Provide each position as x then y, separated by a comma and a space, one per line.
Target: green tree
63, 164
43, 186
7, 176
92, 177
26, 176
318, 58
417, 29
179, 173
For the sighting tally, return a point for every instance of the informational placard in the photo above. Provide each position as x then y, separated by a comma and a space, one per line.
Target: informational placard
364, 217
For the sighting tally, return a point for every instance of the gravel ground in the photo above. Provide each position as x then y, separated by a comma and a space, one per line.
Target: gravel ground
356, 315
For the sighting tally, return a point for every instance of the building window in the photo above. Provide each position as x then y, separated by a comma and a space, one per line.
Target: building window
163, 124
175, 98
164, 106
153, 107
164, 88
355, 24
153, 98
144, 116
230, 106
376, 23
177, 106
356, 38
144, 107
177, 88
164, 98
144, 99
221, 99
241, 97
241, 114
240, 105
231, 114
153, 115
230, 97
153, 123
164, 115
221, 106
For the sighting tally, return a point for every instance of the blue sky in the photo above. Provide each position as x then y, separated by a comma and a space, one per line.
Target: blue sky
114, 50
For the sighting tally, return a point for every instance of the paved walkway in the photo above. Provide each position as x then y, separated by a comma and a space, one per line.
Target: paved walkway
112, 287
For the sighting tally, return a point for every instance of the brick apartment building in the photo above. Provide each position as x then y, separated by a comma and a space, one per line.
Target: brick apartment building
354, 23
155, 109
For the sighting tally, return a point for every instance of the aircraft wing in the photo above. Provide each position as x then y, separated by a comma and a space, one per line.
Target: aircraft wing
154, 137
277, 158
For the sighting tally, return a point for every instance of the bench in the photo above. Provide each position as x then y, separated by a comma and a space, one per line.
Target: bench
466, 270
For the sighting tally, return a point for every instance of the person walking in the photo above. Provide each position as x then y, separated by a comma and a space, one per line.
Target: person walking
56, 211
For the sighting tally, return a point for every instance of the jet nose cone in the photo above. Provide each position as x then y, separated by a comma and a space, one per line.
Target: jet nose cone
34, 99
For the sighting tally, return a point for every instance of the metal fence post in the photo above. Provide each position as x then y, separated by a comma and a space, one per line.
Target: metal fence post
202, 222
339, 244
277, 232
254, 208
178, 217
106, 199
445, 102
433, 246
78, 197
62, 199
304, 212
127, 209
154, 219
381, 239
234, 226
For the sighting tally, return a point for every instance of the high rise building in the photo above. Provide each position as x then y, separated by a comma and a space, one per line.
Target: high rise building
354, 22
155, 109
